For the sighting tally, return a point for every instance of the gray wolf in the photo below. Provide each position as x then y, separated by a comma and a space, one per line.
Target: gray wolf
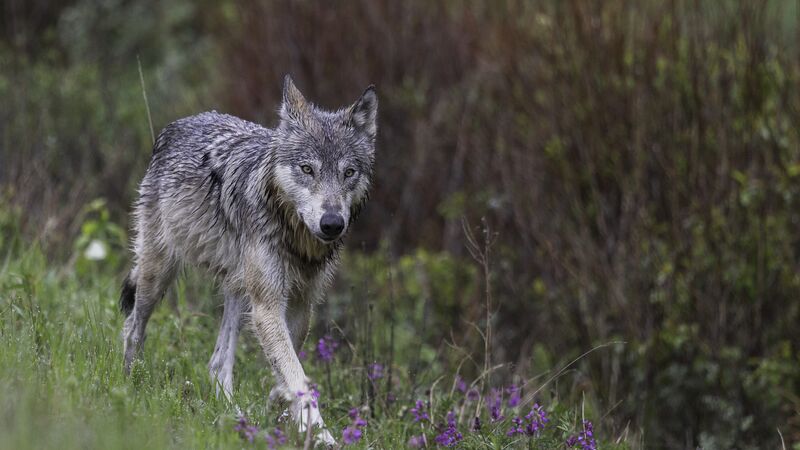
265, 211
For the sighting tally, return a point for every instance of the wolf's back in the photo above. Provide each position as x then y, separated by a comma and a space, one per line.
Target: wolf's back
194, 200
199, 149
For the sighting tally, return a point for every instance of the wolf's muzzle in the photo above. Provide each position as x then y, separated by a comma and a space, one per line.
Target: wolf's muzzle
331, 225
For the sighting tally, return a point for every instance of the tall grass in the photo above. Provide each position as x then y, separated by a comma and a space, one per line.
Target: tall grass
63, 385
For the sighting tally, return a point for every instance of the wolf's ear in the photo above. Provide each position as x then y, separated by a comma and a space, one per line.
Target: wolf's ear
294, 105
364, 112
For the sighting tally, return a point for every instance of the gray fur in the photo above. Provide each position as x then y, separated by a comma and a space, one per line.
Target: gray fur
246, 202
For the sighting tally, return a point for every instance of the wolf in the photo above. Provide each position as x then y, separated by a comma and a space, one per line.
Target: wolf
265, 211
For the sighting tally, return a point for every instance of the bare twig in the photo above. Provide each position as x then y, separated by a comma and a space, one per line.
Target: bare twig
146, 103
392, 319
528, 398
480, 252
307, 443
430, 396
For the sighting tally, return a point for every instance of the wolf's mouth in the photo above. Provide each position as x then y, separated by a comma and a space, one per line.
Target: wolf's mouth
325, 239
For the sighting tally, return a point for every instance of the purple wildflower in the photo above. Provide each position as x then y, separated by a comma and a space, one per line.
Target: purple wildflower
449, 435
494, 403
280, 437
246, 431
461, 385
451, 418
420, 415
513, 396
351, 435
531, 424
473, 395
301, 355
585, 439
274, 441
375, 371
476, 424
356, 418
417, 441
314, 394
516, 427
326, 347
537, 419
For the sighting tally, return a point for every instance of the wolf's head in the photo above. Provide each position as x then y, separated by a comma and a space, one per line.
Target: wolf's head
324, 160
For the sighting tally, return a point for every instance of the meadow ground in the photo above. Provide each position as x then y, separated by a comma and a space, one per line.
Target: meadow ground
63, 387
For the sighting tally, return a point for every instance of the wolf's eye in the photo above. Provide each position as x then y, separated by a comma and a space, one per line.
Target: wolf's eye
307, 169
349, 173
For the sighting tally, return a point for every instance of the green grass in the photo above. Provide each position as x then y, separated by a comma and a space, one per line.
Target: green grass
63, 387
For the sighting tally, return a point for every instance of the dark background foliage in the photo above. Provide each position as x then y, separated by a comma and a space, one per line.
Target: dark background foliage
638, 161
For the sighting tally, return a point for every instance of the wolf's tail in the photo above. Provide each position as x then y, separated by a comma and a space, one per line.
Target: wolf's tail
128, 296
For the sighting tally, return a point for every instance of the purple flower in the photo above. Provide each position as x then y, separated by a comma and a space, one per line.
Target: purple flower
531, 424
473, 395
585, 439
449, 435
496, 414
417, 441
536, 420
356, 418
516, 427
351, 435
513, 396
375, 371
461, 385
326, 347
420, 415
280, 437
274, 441
301, 355
476, 424
314, 394
451, 418
494, 404
246, 431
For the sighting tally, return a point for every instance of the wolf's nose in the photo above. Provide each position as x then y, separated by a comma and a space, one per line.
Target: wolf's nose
331, 224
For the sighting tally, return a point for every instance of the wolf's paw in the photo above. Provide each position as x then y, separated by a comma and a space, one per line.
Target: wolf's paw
324, 439
309, 416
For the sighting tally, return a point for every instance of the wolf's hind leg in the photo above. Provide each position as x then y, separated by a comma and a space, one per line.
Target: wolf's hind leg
153, 275
221, 365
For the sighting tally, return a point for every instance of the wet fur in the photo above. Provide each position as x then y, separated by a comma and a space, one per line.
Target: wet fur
226, 194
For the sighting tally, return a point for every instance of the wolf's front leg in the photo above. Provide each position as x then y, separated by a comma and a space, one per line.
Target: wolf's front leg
269, 321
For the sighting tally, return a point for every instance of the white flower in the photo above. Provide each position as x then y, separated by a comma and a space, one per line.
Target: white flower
96, 251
